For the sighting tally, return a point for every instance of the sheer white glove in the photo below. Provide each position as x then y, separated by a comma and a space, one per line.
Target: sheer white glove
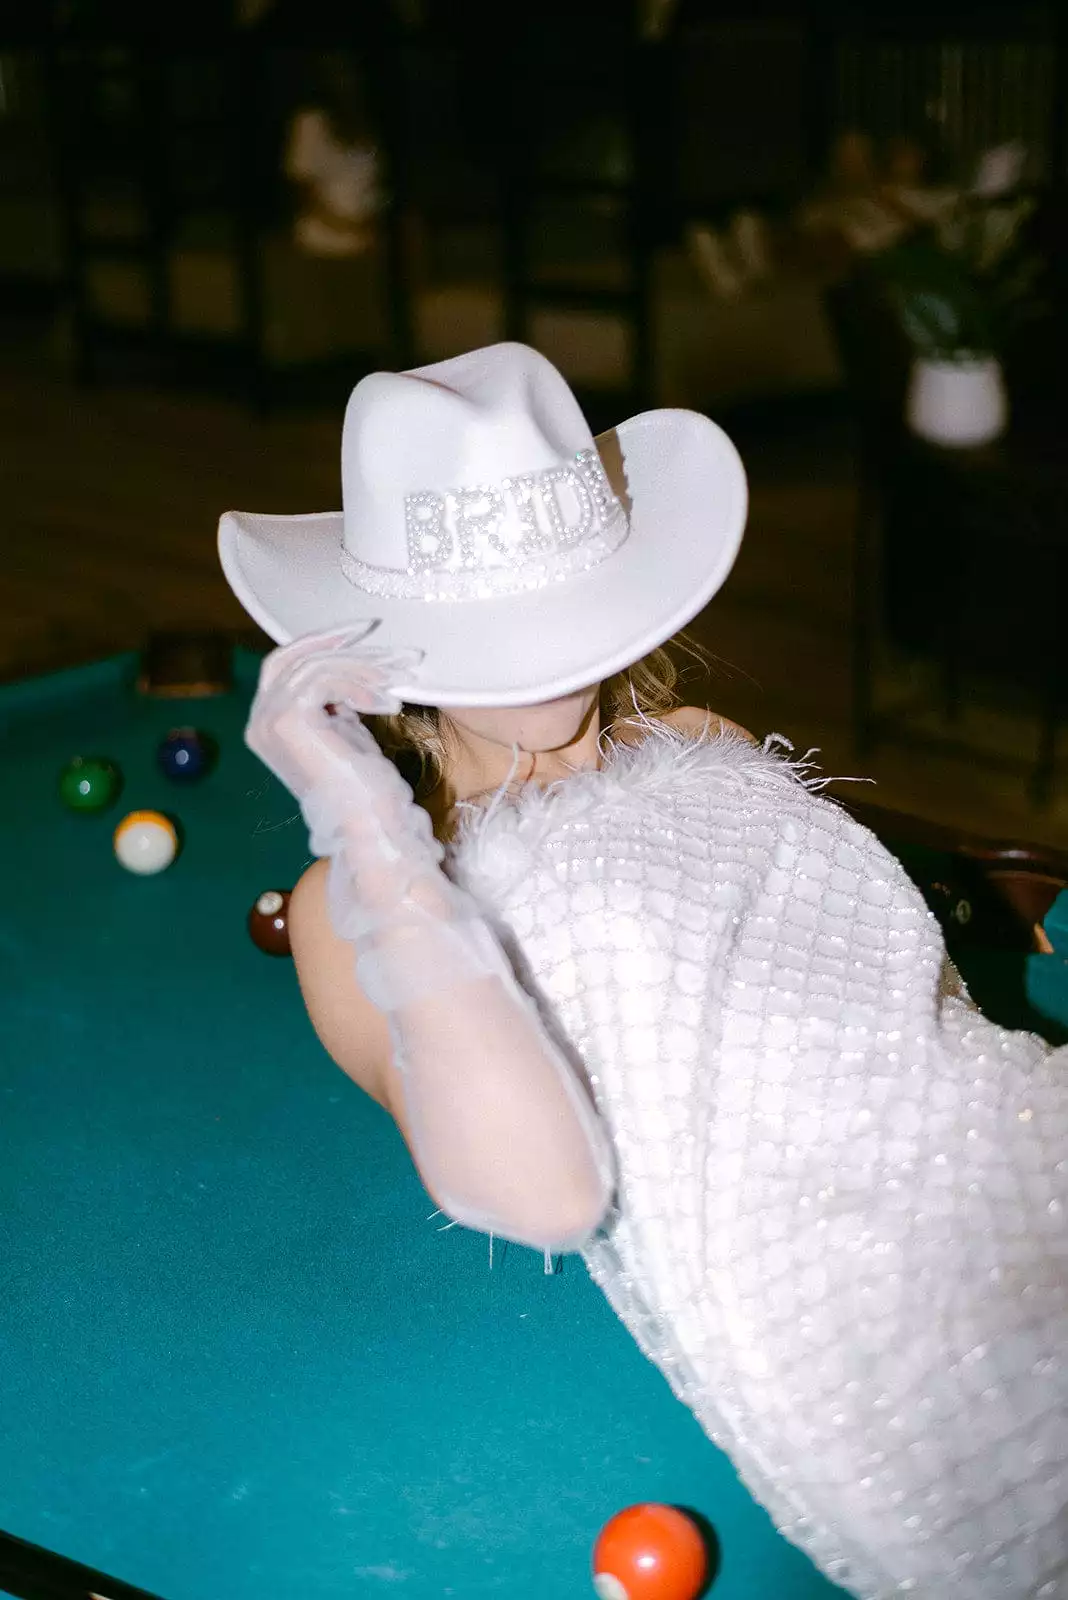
503, 1132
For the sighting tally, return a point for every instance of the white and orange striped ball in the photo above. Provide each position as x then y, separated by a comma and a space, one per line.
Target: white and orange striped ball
145, 842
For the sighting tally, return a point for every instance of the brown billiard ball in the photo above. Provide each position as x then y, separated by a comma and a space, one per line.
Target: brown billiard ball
268, 922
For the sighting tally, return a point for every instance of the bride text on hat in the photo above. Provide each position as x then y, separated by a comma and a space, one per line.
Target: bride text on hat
505, 524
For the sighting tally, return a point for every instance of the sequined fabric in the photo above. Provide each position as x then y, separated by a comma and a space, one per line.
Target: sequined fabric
840, 1222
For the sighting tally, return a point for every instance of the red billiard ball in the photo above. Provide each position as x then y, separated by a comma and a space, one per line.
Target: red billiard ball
268, 922
649, 1552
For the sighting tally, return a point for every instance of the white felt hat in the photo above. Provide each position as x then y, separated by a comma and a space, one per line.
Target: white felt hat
480, 527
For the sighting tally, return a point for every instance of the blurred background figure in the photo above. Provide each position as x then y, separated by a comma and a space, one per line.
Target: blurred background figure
841, 235
331, 158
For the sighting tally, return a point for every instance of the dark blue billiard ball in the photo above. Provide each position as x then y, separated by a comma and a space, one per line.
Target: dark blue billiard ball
185, 755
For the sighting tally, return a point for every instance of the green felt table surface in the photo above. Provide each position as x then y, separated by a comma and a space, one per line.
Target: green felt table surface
237, 1356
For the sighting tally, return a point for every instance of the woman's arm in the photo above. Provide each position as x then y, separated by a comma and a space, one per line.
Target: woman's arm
351, 1029
488, 1093
406, 983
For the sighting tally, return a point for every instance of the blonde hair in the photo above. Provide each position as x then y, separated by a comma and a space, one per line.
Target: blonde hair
646, 689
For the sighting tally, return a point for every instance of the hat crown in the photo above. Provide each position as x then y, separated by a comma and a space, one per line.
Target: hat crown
474, 476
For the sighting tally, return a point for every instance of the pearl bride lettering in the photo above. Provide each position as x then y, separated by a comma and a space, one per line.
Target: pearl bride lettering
506, 524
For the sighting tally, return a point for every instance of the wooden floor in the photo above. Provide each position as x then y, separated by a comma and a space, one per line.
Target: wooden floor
111, 499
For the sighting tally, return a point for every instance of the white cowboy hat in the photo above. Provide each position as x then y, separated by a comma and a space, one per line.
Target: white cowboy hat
480, 528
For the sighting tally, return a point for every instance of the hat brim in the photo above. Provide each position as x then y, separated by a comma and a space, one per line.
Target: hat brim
688, 500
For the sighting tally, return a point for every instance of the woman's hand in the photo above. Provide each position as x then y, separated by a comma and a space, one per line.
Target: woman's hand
305, 719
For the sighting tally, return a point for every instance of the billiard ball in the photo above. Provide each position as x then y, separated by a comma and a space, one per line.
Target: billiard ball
649, 1552
89, 783
146, 842
268, 922
185, 755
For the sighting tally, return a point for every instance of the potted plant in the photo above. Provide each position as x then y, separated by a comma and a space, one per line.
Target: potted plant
960, 281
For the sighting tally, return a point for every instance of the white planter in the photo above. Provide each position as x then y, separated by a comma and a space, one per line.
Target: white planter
957, 404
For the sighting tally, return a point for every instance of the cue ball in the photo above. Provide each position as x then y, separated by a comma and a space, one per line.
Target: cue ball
184, 755
268, 922
146, 842
649, 1552
89, 783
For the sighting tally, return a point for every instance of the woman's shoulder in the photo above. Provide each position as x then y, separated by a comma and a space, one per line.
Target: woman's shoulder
698, 722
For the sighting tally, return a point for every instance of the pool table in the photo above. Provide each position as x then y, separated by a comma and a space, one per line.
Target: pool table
239, 1356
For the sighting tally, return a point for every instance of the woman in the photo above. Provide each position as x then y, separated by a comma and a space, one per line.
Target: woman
666, 1005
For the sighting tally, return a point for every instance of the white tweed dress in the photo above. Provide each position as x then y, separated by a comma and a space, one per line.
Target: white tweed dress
840, 1227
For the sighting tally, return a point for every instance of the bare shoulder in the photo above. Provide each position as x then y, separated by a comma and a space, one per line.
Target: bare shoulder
351, 1029
696, 720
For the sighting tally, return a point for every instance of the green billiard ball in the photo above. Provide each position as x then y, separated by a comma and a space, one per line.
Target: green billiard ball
89, 783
